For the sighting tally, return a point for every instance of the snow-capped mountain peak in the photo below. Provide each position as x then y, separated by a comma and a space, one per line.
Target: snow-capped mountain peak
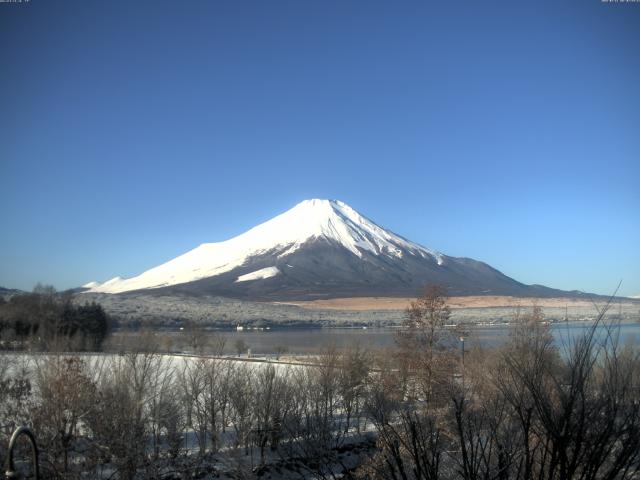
333, 220
330, 220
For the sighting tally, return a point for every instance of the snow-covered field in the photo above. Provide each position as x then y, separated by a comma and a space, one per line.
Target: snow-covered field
178, 377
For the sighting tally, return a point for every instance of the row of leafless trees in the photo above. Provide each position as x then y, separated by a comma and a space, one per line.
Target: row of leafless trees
532, 409
148, 415
529, 410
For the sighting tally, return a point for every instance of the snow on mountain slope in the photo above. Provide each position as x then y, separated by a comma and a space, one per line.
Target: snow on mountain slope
284, 234
259, 274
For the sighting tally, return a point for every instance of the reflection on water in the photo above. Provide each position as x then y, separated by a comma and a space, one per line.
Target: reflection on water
302, 341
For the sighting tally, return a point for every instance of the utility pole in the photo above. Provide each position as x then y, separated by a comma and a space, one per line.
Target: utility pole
462, 342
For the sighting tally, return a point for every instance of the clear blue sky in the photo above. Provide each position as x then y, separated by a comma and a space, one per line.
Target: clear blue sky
509, 132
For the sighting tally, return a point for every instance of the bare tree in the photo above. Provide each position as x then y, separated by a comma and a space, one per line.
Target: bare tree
240, 346
217, 385
586, 407
353, 378
241, 401
65, 394
216, 344
193, 380
163, 414
410, 442
280, 350
315, 425
127, 409
272, 406
422, 339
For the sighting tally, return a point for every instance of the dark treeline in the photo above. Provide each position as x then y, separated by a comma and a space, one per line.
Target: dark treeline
423, 410
47, 320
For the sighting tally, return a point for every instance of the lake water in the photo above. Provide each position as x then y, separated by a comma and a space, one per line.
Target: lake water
304, 341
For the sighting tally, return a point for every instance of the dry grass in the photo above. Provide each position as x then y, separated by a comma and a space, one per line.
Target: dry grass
388, 303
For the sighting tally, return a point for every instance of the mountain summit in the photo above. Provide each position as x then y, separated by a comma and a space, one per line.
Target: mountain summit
319, 249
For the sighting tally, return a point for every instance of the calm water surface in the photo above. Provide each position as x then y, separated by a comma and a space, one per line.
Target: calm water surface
313, 340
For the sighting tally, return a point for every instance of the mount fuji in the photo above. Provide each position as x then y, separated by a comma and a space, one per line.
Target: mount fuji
319, 249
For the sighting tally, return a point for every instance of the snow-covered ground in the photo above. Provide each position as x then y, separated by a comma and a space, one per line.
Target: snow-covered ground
351, 447
259, 274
